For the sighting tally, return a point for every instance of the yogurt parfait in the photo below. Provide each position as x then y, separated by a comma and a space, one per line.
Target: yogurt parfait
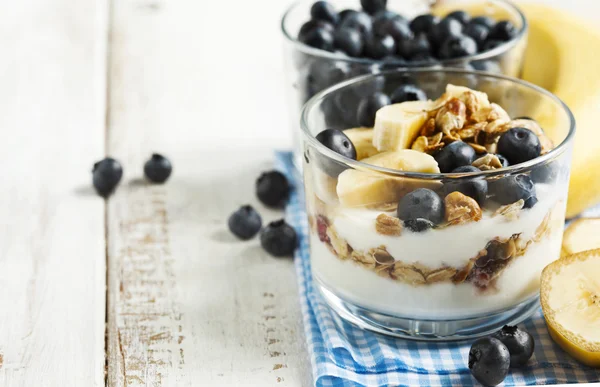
435, 220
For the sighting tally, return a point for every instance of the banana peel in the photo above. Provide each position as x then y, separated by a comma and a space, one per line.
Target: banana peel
563, 56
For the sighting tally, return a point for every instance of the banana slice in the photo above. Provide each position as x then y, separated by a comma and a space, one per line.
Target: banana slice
361, 188
362, 138
397, 125
581, 235
570, 297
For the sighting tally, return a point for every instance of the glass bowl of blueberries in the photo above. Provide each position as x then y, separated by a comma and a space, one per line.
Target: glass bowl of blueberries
327, 42
435, 219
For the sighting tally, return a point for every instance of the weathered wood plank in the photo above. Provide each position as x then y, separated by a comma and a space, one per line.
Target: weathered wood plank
188, 304
52, 259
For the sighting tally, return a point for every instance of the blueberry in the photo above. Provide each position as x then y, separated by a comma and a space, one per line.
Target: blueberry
421, 203
489, 361
503, 31
423, 59
490, 44
418, 225
348, 40
489, 66
503, 160
444, 30
106, 175
478, 33
279, 239
511, 189
377, 47
476, 188
368, 106
272, 189
373, 6
245, 223
454, 155
325, 73
319, 37
392, 62
342, 14
337, 141
520, 344
322, 10
485, 21
546, 173
462, 16
408, 48
311, 25
530, 202
457, 47
396, 28
381, 16
408, 92
158, 168
519, 145
423, 24
359, 21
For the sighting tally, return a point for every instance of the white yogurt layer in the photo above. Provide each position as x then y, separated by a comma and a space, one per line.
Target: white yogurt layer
451, 246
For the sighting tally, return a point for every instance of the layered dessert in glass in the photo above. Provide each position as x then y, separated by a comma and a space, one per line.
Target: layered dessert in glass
435, 221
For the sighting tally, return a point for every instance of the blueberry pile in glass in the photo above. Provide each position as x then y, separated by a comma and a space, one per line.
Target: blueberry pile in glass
380, 34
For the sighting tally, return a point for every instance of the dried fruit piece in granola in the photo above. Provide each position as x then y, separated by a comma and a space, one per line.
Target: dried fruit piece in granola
388, 225
461, 209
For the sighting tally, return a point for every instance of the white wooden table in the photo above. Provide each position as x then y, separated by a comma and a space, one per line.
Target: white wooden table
148, 289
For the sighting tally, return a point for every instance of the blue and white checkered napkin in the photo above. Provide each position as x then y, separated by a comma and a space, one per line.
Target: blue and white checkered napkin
343, 355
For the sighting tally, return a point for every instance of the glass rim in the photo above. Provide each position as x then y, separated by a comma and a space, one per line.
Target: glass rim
511, 169
504, 47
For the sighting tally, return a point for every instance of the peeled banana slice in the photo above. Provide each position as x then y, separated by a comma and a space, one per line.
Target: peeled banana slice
362, 138
570, 297
357, 188
397, 125
583, 234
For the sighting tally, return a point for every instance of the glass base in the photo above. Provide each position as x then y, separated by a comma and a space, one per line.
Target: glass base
427, 330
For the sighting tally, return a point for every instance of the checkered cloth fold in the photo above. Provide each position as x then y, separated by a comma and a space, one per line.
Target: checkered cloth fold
344, 355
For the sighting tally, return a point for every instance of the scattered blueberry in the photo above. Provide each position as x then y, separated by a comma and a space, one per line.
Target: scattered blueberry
409, 48
461, 16
319, 37
418, 225
408, 92
337, 141
511, 189
279, 239
520, 344
311, 25
489, 361
490, 44
158, 168
485, 21
421, 203
478, 33
424, 23
245, 223
476, 188
373, 6
397, 28
368, 106
503, 31
454, 155
458, 46
349, 41
358, 20
272, 189
519, 145
444, 30
106, 175
323, 10
503, 160
377, 47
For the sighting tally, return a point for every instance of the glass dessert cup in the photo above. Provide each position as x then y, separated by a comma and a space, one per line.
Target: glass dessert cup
309, 70
464, 278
